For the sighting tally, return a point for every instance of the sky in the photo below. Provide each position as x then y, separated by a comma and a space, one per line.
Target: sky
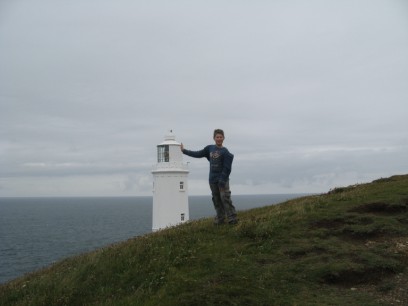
312, 95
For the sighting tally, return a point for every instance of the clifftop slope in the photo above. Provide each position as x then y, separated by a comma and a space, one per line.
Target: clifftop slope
346, 247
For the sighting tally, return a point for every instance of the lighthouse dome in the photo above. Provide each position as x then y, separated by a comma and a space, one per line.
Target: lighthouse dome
170, 139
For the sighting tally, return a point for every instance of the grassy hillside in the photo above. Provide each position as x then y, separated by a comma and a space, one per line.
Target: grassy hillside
346, 247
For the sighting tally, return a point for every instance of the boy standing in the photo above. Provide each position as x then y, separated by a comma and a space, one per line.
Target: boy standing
220, 168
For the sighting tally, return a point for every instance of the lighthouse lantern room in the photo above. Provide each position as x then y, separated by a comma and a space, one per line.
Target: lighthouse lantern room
170, 186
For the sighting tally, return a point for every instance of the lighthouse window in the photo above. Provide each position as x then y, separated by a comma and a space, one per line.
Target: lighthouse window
182, 217
163, 153
181, 185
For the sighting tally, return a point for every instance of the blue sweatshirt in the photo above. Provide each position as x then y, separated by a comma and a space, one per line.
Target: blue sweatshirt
220, 162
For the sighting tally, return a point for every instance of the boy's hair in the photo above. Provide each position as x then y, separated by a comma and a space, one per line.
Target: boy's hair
218, 131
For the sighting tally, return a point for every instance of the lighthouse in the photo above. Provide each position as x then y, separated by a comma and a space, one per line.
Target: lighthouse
170, 186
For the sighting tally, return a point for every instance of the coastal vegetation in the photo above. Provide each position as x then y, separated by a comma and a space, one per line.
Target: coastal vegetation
345, 247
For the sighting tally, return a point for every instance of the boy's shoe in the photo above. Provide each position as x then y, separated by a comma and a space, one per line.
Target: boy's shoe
232, 222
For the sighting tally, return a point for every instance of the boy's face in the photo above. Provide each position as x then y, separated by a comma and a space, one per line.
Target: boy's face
219, 139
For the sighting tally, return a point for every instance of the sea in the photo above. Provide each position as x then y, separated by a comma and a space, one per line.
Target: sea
37, 232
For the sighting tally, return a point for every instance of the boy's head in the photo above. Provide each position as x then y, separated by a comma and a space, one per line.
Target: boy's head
219, 137
218, 131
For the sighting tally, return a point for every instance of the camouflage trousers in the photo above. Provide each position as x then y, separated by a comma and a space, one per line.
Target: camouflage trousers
221, 198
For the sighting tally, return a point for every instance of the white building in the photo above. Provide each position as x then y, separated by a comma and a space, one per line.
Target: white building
170, 186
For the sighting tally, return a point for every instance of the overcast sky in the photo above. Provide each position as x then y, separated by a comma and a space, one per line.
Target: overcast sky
311, 95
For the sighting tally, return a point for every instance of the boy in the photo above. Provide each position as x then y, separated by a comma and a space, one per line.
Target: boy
220, 168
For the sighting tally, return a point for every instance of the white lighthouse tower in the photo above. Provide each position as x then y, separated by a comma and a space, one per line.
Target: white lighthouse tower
170, 186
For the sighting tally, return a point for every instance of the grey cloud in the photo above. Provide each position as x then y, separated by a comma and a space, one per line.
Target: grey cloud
308, 95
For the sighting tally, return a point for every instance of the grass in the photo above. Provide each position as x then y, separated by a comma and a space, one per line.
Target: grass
346, 247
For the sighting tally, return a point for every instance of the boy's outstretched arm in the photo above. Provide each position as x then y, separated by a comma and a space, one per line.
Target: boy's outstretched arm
197, 154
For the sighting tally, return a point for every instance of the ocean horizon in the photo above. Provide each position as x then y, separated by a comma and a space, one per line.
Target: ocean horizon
36, 232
